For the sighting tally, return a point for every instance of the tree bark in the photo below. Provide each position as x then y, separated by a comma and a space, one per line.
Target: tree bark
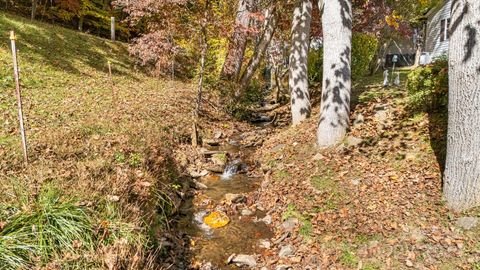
270, 25
236, 49
298, 64
34, 10
336, 88
462, 170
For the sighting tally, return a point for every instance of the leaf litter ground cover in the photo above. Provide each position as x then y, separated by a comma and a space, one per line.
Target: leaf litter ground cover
373, 202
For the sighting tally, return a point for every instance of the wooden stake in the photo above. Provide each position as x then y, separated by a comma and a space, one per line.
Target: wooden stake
18, 93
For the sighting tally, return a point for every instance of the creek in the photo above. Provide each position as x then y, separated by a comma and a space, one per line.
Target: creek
245, 230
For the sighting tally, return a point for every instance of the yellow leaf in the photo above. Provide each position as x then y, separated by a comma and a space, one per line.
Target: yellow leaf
216, 219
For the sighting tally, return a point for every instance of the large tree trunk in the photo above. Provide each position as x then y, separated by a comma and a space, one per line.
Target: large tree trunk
269, 27
298, 68
462, 170
236, 48
336, 88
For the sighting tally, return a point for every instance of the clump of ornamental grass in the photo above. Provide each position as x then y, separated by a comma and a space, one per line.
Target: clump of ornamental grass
50, 228
14, 253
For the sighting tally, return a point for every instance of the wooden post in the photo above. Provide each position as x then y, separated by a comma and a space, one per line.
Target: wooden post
18, 93
112, 28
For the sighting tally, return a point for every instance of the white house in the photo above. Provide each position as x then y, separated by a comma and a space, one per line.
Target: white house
436, 32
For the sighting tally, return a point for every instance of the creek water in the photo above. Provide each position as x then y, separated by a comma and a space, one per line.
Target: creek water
243, 233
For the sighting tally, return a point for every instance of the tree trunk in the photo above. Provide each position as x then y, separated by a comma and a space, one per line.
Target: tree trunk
236, 49
270, 25
298, 65
336, 88
80, 23
462, 170
34, 10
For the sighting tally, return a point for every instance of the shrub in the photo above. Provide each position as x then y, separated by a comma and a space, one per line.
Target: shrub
428, 86
364, 47
315, 66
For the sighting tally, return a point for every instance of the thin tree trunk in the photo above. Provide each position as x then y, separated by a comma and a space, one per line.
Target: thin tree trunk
270, 25
298, 65
34, 10
462, 170
336, 88
80, 23
204, 42
236, 49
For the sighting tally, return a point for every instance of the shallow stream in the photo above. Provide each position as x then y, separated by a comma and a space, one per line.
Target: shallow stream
243, 234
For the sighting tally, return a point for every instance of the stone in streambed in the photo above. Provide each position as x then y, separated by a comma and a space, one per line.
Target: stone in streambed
242, 259
246, 212
235, 198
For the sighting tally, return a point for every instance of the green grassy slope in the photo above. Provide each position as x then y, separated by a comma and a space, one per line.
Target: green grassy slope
95, 142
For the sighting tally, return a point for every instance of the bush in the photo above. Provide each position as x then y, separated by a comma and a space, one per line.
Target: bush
428, 87
364, 47
315, 66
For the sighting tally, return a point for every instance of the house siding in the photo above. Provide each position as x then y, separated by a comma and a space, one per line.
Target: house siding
433, 45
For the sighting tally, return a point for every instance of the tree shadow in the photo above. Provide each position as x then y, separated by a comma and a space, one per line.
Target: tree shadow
438, 122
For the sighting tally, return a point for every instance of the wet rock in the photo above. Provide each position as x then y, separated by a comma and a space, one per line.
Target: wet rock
215, 168
267, 219
286, 251
199, 185
353, 141
242, 259
283, 267
196, 174
235, 198
467, 223
265, 244
290, 224
246, 212
219, 159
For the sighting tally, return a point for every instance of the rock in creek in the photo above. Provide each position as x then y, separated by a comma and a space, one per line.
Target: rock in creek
242, 259
235, 198
215, 168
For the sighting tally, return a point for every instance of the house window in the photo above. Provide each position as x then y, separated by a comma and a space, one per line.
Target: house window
444, 26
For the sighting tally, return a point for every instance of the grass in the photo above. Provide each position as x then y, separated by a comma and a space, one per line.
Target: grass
50, 228
88, 138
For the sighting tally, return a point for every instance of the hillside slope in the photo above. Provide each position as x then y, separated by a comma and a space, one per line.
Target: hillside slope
97, 143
